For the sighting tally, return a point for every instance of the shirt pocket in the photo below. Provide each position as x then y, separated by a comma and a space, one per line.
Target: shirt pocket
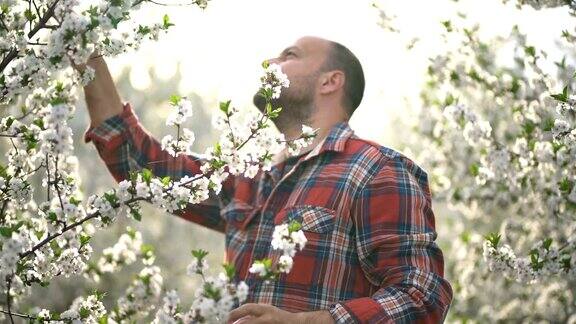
315, 219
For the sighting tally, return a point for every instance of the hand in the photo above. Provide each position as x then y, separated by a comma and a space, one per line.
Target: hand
263, 313
82, 67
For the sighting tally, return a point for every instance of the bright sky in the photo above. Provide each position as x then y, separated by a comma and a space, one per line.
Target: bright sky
220, 49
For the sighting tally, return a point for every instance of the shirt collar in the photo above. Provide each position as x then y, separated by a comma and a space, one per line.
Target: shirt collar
335, 141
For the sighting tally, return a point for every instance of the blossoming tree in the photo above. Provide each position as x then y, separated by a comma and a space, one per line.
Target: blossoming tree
44, 46
499, 141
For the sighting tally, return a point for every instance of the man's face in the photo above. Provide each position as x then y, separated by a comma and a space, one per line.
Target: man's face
302, 63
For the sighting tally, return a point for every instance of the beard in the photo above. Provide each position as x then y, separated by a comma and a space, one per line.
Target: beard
297, 103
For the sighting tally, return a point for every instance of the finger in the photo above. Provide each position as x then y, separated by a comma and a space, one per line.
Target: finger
246, 310
243, 320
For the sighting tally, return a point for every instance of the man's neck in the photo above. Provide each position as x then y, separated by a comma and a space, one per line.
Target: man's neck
322, 125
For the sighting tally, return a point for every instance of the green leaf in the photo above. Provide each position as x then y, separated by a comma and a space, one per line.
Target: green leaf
136, 214
230, 270
268, 108
211, 292
265, 64
557, 146
133, 176
39, 234
131, 232
57, 101
465, 237
515, 85
52, 216
143, 30
547, 243
448, 25
84, 312
175, 100
111, 198
565, 185
474, 169
494, 239
225, 106
530, 51
39, 122
199, 254
145, 249
454, 76
217, 149
103, 320
9, 121
116, 21
84, 239
534, 260
166, 180
566, 263
146, 175
166, 22
17, 226
75, 201
294, 226
563, 97
6, 231
561, 64
548, 124
267, 263
29, 15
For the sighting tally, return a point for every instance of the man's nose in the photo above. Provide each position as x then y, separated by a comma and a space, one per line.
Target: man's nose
274, 60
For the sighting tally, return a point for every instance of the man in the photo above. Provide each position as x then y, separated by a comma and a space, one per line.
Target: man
365, 209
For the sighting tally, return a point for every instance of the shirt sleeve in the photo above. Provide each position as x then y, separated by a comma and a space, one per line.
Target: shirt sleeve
124, 146
395, 235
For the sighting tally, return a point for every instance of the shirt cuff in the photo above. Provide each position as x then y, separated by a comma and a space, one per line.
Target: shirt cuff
111, 132
359, 310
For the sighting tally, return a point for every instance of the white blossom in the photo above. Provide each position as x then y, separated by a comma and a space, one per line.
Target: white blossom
274, 79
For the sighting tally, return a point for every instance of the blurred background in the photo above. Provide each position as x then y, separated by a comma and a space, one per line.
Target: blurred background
215, 54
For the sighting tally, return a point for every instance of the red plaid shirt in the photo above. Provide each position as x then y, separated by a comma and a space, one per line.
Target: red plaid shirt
365, 209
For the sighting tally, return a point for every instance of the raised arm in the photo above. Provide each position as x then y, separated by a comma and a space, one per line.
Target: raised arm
126, 146
102, 98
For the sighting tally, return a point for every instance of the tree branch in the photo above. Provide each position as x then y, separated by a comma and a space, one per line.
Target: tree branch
18, 314
41, 24
8, 299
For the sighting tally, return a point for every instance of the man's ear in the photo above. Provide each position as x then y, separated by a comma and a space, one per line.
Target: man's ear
332, 81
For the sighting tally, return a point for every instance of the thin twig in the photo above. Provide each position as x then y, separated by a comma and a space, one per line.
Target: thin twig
18, 314
37, 43
3, 23
55, 235
41, 23
171, 4
48, 184
2, 217
30, 11
8, 299
37, 9
56, 180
